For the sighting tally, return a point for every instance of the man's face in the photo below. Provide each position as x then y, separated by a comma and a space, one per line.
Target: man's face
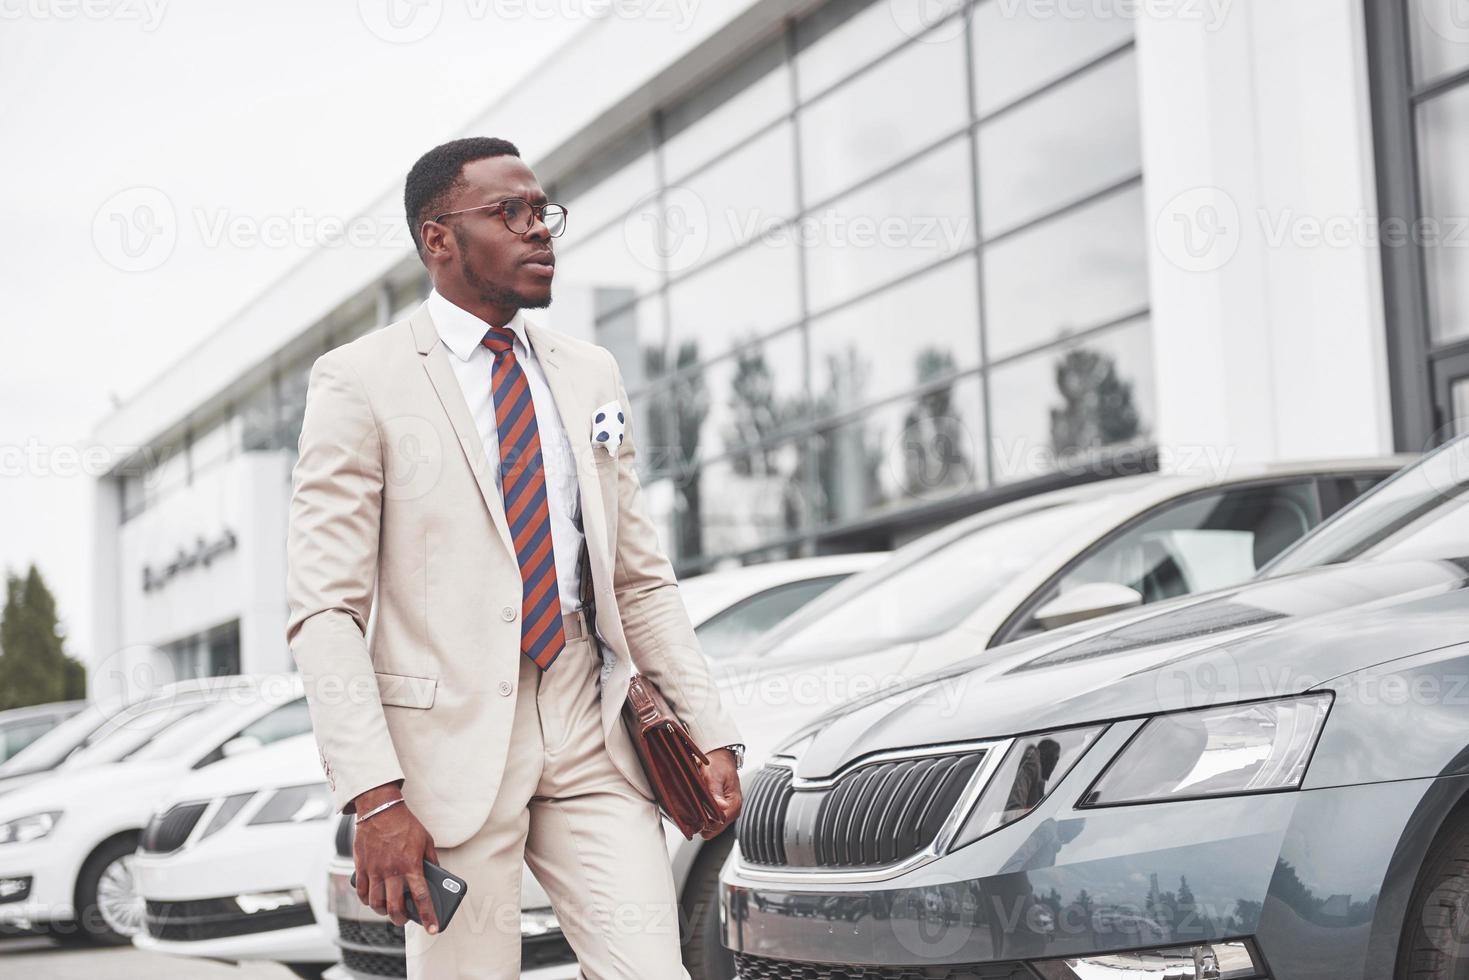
501, 267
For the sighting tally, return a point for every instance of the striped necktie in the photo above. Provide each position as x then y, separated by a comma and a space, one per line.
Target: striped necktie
523, 486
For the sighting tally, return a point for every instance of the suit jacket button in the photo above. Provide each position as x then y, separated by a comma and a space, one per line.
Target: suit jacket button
507, 613
505, 687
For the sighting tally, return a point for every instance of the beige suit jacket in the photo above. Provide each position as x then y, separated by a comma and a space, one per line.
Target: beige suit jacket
404, 589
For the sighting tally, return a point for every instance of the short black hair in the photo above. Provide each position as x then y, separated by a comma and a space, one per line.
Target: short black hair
434, 177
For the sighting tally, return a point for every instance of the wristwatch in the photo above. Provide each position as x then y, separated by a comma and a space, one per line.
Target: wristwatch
738, 748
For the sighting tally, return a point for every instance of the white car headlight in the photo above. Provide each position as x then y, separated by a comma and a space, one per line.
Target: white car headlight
1034, 765
1240, 748
295, 804
31, 827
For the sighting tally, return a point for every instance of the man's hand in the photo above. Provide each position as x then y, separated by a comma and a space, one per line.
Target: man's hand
388, 850
723, 781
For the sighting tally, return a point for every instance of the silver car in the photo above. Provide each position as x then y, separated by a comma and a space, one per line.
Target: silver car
1264, 781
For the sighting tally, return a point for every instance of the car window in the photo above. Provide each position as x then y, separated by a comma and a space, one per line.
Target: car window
48, 750
1204, 542
729, 632
1421, 512
904, 602
291, 718
128, 733
17, 736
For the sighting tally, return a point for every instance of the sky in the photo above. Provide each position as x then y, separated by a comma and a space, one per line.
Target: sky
235, 112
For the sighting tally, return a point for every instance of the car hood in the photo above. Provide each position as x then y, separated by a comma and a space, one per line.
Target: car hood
117, 784
290, 762
1267, 638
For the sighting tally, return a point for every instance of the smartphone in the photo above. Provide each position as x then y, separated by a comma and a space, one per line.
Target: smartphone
445, 889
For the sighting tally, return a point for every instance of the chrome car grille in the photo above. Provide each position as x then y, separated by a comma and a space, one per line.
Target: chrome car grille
871, 815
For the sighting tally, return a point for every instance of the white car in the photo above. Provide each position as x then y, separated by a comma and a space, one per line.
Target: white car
67, 841
233, 864
729, 609
107, 730
20, 727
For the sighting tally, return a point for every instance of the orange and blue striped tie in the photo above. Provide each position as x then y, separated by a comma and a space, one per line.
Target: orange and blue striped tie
523, 486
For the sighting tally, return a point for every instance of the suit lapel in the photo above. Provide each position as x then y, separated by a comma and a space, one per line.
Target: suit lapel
451, 397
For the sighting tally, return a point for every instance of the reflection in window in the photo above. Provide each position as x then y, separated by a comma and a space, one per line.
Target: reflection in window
1070, 142
632, 332
743, 196
924, 447
876, 119
623, 258
727, 508
738, 298
899, 224
879, 338
1062, 404
732, 631
1081, 269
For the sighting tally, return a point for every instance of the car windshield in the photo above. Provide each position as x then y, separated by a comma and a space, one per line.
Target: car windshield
932, 590
1421, 512
132, 731
47, 751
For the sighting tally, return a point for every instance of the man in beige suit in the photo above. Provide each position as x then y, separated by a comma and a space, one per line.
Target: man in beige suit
451, 466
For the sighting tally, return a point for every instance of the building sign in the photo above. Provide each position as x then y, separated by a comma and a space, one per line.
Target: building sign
203, 552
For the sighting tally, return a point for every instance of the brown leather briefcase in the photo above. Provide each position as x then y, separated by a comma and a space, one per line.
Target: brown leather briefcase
673, 763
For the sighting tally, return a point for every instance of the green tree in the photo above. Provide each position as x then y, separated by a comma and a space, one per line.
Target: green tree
1097, 408
34, 665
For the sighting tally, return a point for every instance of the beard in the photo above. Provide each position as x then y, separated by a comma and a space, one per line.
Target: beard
494, 293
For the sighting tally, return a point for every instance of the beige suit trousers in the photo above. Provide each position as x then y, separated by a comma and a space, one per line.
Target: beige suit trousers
592, 840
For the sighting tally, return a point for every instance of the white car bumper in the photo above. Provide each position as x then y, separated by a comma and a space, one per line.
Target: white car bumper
37, 882
245, 893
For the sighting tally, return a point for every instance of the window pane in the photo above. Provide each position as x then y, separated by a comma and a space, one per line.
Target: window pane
293, 402
609, 186
740, 503
1070, 142
907, 220
1459, 392
258, 417
1444, 137
925, 447
616, 264
746, 194
842, 36
1078, 270
1440, 32
1063, 403
1018, 48
741, 296
634, 335
878, 118
1207, 542
895, 340
724, 114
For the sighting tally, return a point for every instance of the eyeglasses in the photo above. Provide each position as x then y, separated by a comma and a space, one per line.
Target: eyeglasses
520, 215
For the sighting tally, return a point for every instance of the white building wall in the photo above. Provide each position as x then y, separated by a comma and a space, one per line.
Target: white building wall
1269, 337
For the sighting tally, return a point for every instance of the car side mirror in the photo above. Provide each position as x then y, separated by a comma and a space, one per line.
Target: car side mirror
241, 745
1087, 602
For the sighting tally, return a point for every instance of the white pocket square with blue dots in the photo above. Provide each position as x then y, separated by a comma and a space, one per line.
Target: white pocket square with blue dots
607, 426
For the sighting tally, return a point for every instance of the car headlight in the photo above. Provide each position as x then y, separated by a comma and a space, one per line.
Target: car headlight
31, 827
1034, 765
1240, 748
295, 804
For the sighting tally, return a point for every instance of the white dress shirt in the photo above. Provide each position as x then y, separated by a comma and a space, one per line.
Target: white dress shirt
462, 332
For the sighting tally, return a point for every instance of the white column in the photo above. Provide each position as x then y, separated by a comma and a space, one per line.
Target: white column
1268, 326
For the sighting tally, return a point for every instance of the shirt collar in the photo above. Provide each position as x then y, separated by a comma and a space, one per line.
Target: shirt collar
462, 331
